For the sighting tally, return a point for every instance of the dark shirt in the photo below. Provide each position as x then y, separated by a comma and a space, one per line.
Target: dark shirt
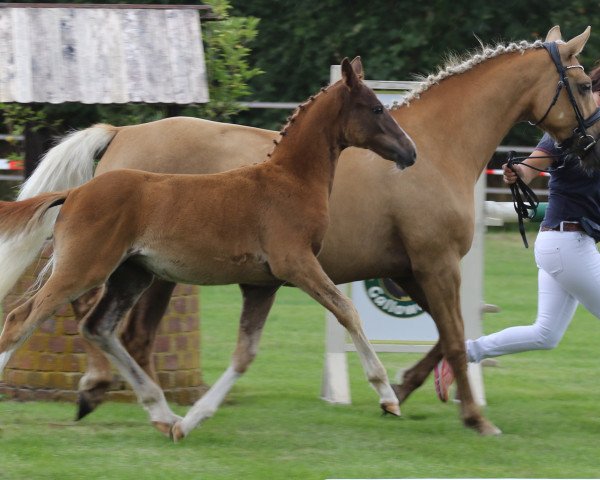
574, 194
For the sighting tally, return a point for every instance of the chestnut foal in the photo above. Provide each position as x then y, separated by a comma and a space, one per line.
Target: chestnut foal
259, 226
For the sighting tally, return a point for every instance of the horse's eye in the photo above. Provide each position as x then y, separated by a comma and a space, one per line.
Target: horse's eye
585, 87
378, 109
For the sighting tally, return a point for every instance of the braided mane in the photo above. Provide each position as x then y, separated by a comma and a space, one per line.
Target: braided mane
294, 116
456, 65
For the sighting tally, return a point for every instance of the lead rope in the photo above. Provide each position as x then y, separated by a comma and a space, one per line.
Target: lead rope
525, 201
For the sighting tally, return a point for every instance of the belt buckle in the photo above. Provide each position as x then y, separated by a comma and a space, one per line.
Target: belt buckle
563, 223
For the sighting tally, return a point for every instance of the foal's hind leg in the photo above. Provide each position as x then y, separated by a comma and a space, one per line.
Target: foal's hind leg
305, 272
137, 336
122, 290
23, 320
257, 304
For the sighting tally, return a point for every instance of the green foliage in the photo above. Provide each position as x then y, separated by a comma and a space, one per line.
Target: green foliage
227, 63
16, 116
396, 38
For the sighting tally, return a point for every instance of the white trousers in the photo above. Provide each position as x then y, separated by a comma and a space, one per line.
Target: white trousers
569, 274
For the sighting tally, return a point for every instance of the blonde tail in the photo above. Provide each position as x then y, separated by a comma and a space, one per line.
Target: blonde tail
67, 165
70, 163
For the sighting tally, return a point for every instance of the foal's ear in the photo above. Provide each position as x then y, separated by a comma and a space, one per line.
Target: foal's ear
554, 34
348, 74
575, 45
358, 67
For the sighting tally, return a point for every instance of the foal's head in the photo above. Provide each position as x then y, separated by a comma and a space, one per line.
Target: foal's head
573, 118
367, 124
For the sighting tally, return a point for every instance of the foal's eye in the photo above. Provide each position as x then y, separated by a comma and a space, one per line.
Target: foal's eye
378, 109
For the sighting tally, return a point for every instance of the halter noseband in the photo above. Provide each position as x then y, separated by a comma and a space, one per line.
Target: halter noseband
580, 138
576, 146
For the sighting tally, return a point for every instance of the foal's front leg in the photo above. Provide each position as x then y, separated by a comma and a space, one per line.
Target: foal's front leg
257, 304
305, 272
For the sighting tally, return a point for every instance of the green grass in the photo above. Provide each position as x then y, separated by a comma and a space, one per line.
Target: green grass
273, 424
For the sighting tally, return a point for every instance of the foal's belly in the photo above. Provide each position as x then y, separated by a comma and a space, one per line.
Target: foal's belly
246, 268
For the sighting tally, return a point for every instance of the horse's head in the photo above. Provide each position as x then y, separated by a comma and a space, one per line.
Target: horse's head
368, 124
565, 106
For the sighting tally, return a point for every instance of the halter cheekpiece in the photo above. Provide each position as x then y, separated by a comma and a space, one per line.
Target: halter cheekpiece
575, 147
580, 142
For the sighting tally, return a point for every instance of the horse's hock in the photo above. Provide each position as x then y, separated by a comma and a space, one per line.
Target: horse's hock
50, 364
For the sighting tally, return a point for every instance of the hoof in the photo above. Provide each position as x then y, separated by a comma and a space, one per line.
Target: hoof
488, 429
176, 432
164, 428
484, 427
85, 405
401, 392
90, 396
392, 408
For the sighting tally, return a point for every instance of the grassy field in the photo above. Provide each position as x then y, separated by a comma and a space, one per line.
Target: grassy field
274, 425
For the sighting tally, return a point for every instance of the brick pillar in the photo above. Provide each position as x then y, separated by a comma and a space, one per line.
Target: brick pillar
49, 365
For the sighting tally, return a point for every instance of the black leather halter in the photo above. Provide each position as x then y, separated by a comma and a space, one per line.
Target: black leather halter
573, 148
580, 142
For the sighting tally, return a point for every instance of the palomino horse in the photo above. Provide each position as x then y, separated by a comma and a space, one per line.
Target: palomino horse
413, 227
259, 226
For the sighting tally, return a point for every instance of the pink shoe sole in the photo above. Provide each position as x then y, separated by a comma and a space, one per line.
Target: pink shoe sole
444, 377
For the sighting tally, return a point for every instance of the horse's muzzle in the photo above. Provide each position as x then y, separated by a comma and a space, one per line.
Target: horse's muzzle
406, 159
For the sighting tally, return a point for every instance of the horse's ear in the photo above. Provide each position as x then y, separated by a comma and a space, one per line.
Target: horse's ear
554, 34
358, 67
575, 45
348, 74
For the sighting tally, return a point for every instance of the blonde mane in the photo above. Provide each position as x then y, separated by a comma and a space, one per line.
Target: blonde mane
456, 65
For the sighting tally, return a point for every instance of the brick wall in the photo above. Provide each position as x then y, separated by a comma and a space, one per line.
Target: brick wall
49, 365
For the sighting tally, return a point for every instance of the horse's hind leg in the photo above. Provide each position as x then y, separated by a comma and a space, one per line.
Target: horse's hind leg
441, 284
122, 290
137, 336
415, 376
257, 304
305, 272
98, 375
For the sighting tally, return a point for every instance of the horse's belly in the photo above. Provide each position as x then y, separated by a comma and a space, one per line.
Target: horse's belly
245, 268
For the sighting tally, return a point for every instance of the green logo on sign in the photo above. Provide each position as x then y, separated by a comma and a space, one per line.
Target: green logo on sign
388, 297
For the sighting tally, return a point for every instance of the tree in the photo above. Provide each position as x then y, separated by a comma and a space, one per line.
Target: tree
397, 39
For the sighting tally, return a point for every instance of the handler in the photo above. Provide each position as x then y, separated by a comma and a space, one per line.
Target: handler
566, 256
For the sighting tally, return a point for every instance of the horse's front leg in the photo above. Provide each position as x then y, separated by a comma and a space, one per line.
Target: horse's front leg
137, 336
257, 304
415, 376
440, 281
303, 270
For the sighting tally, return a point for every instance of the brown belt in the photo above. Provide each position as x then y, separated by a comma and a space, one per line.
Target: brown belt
564, 227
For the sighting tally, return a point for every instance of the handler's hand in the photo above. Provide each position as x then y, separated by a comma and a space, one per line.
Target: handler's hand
509, 175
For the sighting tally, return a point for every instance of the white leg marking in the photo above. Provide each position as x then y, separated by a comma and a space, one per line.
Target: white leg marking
374, 370
210, 402
148, 393
4, 358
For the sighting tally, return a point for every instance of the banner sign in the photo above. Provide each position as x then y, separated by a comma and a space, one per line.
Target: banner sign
389, 315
